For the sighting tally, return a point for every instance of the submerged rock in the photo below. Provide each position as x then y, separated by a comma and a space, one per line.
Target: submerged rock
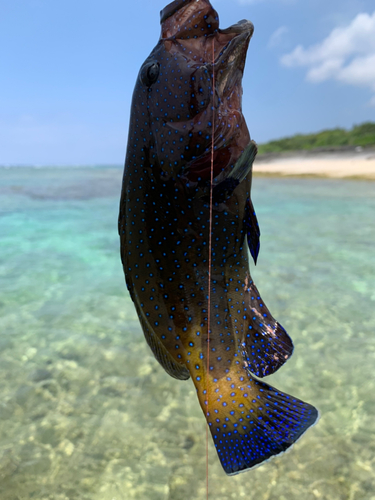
39, 374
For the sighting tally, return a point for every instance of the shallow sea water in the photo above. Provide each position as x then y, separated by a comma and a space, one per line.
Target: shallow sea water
86, 413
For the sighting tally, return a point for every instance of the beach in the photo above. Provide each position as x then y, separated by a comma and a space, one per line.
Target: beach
355, 163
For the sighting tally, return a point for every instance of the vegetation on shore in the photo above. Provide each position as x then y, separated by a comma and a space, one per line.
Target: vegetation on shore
359, 135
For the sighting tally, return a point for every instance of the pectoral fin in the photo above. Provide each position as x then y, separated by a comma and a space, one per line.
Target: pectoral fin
244, 164
241, 169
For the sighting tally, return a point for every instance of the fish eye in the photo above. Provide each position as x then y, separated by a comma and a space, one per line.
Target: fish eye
150, 73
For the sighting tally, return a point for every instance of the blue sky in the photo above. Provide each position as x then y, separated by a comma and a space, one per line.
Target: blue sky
68, 71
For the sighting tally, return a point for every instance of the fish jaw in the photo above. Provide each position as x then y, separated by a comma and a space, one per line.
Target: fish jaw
229, 129
215, 58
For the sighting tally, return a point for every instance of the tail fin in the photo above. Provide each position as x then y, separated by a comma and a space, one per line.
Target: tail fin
251, 422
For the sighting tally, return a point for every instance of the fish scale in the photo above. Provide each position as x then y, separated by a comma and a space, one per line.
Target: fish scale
194, 71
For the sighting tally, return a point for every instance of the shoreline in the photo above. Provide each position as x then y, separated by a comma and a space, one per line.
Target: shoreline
334, 164
329, 163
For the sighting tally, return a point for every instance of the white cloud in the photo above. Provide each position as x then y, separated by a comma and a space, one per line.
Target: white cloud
277, 37
346, 55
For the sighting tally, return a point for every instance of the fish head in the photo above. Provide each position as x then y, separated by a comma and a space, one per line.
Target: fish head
189, 92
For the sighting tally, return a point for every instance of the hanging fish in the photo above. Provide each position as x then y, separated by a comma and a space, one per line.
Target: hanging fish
187, 111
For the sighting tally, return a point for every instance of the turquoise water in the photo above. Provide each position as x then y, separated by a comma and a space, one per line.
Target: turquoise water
85, 410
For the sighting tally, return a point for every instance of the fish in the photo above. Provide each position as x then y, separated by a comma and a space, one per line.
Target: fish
188, 230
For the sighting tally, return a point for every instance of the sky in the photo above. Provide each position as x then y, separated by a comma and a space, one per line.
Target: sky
67, 72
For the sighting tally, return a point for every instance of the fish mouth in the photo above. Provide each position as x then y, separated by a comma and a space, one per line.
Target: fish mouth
195, 25
229, 65
192, 19
172, 8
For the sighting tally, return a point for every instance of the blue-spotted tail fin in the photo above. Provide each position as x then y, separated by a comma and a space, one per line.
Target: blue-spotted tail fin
253, 422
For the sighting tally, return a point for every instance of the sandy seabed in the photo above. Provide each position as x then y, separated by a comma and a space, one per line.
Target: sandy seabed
338, 164
87, 413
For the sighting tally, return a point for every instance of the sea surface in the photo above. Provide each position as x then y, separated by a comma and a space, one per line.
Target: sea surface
86, 413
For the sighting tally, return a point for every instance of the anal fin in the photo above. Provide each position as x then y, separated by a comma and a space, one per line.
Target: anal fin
265, 345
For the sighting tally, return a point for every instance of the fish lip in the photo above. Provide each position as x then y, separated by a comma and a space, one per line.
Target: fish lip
172, 8
242, 26
241, 33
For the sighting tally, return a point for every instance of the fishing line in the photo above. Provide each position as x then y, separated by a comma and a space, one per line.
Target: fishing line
210, 250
